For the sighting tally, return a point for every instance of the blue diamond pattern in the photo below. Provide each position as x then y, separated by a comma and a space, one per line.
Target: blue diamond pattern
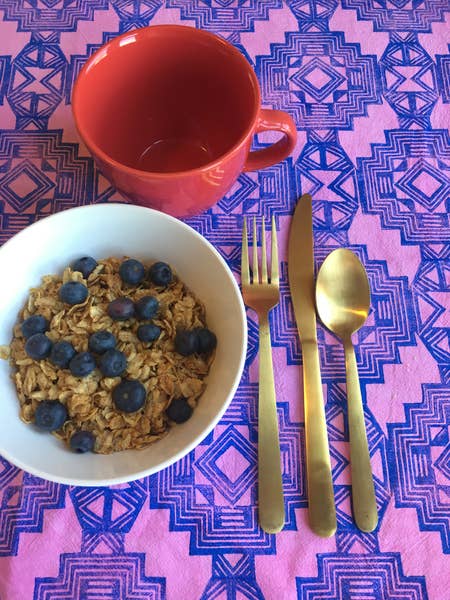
24, 184
232, 489
282, 77
330, 79
421, 174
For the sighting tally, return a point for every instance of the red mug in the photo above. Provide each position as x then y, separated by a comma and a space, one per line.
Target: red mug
169, 113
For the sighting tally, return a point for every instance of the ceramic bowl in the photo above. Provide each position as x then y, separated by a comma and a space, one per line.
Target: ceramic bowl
52, 243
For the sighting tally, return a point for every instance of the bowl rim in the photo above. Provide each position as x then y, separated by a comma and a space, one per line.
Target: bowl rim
116, 480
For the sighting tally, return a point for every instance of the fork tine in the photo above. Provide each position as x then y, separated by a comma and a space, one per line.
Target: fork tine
274, 276
255, 254
245, 271
263, 252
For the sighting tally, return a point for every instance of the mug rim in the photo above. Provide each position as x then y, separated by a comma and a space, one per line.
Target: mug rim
97, 151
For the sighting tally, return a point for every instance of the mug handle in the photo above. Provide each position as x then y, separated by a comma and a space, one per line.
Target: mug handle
270, 120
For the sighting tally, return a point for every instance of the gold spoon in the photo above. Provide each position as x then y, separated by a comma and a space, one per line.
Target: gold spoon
343, 301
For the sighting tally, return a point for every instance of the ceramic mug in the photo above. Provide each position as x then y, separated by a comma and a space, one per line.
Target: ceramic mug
169, 113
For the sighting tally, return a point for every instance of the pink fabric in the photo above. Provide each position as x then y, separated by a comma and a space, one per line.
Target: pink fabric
374, 151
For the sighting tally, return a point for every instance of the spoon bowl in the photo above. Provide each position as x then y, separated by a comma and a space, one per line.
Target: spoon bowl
342, 293
343, 303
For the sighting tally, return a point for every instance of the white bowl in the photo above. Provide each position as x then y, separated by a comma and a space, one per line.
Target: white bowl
114, 230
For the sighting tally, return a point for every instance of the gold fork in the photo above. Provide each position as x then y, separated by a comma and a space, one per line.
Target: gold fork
262, 296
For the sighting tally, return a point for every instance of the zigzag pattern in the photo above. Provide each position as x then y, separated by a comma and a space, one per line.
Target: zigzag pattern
336, 416
76, 63
195, 508
5, 68
418, 17
361, 576
320, 79
57, 177
225, 15
7, 472
191, 509
420, 471
23, 507
100, 576
49, 15
381, 191
443, 70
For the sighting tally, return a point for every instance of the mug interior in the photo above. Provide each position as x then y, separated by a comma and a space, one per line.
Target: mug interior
166, 99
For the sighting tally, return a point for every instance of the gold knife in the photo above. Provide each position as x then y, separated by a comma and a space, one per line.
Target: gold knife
322, 513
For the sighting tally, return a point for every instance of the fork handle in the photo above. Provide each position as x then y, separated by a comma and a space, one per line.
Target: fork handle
270, 487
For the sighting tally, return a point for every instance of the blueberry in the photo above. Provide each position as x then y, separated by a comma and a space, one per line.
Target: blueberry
101, 341
206, 340
112, 363
61, 354
82, 364
129, 395
186, 342
121, 309
146, 307
85, 265
38, 346
73, 292
148, 332
132, 271
160, 273
50, 415
179, 410
82, 441
34, 324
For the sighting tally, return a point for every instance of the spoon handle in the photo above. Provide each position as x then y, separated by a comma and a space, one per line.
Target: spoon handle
363, 492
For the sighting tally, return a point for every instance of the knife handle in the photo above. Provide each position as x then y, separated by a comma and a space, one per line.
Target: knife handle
322, 512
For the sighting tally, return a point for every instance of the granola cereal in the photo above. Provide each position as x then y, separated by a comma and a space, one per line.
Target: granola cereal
165, 373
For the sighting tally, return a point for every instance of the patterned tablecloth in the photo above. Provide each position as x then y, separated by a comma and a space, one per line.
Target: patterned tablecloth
368, 83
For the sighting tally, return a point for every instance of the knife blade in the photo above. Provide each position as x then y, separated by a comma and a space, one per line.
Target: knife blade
321, 507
